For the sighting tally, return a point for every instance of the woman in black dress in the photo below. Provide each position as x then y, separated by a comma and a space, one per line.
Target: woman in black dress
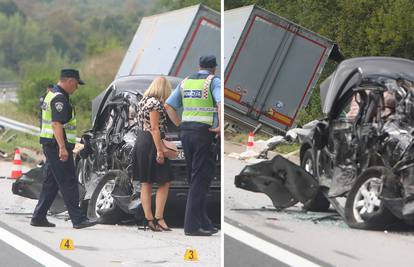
150, 164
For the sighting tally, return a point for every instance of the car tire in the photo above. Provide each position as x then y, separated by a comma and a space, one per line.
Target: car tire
319, 203
378, 216
102, 205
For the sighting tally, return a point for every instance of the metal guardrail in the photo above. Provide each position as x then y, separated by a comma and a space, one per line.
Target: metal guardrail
18, 126
10, 85
21, 127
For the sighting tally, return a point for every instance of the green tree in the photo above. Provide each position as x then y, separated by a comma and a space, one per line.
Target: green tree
20, 39
9, 8
176, 4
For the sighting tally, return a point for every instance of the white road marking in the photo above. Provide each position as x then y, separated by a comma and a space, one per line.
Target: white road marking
30, 250
266, 247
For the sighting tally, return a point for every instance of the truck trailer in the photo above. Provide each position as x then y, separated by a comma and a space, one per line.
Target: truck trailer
271, 67
171, 43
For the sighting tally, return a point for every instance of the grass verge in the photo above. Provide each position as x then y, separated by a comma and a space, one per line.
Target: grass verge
11, 110
10, 140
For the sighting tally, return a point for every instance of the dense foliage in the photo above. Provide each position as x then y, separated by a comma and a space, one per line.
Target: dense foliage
39, 37
360, 27
174, 4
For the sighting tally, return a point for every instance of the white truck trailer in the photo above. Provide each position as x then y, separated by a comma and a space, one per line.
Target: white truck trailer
171, 43
271, 67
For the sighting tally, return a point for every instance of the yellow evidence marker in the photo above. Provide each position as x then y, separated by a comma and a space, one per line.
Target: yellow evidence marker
67, 244
191, 255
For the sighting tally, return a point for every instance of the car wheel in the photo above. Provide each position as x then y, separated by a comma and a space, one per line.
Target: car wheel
102, 204
364, 208
319, 203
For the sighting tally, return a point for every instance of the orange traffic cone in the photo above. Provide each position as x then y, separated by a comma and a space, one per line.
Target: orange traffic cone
250, 142
17, 166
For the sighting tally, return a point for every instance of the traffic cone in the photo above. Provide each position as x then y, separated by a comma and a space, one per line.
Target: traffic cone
250, 142
17, 166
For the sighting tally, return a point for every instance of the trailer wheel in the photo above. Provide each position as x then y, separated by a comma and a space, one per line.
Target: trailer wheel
319, 203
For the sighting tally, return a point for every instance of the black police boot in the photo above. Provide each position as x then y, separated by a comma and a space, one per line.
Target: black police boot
85, 223
214, 230
199, 232
41, 223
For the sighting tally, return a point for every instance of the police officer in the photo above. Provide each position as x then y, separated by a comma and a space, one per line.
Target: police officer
58, 137
199, 95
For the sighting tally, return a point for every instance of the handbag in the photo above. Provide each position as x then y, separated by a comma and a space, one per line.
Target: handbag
170, 149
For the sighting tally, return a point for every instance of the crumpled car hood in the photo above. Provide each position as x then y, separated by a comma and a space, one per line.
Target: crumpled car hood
30, 186
280, 179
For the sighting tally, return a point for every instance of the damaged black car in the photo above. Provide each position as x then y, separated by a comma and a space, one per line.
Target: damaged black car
103, 166
362, 152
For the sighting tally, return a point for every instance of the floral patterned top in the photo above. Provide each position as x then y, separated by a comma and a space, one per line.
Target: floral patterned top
145, 106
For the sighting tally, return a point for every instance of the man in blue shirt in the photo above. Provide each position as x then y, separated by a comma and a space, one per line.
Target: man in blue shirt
199, 95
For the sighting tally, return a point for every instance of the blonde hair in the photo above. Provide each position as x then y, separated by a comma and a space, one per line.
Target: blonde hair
160, 88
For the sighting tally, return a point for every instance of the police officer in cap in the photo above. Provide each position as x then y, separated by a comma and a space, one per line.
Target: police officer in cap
58, 138
199, 95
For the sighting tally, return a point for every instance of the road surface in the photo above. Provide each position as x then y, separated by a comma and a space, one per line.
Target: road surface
101, 245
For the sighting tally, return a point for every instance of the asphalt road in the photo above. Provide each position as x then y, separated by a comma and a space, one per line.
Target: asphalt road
8, 254
101, 245
251, 257
271, 238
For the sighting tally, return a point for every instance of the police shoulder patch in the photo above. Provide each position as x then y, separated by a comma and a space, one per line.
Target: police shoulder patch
59, 106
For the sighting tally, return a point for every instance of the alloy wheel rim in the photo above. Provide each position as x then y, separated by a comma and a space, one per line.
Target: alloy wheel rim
105, 199
367, 200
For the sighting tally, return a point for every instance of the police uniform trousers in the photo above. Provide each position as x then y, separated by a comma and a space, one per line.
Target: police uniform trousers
59, 175
197, 143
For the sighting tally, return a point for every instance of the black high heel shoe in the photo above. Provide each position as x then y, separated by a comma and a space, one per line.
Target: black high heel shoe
151, 224
160, 226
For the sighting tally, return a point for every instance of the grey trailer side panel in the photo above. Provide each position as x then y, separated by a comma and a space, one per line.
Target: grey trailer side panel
253, 62
157, 42
171, 43
202, 39
300, 66
272, 69
235, 21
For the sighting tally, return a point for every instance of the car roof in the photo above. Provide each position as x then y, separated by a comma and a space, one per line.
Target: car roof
380, 66
139, 83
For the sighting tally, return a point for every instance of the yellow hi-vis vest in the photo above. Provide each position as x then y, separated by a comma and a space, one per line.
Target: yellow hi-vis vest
198, 103
47, 130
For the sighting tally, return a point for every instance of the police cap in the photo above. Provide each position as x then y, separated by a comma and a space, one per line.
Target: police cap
71, 73
208, 62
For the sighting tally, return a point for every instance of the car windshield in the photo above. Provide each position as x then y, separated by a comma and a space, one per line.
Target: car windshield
133, 85
137, 87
